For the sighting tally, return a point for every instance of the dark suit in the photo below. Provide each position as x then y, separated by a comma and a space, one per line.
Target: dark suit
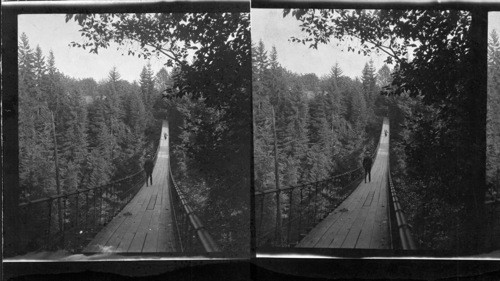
148, 168
367, 165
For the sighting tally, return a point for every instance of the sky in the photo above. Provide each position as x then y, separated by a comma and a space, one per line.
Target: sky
269, 26
493, 22
51, 32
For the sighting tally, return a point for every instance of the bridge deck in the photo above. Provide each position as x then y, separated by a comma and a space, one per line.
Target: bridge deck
145, 223
361, 220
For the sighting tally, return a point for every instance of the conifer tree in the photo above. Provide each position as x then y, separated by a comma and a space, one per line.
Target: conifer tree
147, 85
384, 76
264, 175
369, 82
163, 80
493, 115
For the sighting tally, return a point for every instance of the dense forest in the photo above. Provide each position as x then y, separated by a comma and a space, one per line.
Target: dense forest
324, 126
427, 204
208, 103
436, 110
493, 121
102, 129
76, 134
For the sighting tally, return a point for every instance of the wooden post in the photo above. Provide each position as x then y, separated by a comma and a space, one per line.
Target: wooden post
57, 172
277, 180
50, 220
290, 216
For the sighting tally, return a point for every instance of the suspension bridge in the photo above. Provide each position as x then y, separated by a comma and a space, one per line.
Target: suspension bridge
124, 216
339, 212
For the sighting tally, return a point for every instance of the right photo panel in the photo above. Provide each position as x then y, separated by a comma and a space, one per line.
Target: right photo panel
369, 131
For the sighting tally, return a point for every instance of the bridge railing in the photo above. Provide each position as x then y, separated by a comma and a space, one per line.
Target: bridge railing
400, 231
71, 219
190, 233
300, 208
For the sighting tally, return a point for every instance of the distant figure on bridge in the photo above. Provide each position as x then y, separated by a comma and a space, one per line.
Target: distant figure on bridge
165, 135
386, 133
367, 165
148, 168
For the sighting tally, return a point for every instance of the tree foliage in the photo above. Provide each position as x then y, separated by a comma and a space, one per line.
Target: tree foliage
321, 125
433, 55
493, 121
207, 97
97, 128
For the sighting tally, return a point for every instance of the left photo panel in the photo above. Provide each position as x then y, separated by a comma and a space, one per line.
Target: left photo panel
134, 136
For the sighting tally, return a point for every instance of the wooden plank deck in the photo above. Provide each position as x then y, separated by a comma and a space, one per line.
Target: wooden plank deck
145, 223
361, 220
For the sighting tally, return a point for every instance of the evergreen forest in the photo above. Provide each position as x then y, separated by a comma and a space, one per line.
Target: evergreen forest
104, 129
76, 134
324, 125
493, 117
431, 92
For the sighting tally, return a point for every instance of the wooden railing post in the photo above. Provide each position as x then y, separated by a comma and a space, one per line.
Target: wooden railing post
290, 215
88, 208
64, 219
94, 193
61, 228
77, 212
315, 202
277, 180
300, 213
262, 209
100, 205
49, 222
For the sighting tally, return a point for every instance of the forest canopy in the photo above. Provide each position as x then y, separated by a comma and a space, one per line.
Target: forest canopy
74, 135
102, 128
208, 103
437, 121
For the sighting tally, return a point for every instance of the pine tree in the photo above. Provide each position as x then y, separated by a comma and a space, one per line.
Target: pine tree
369, 80
493, 115
36, 166
99, 168
136, 121
264, 176
113, 113
147, 85
163, 80
335, 74
384, 76
273, 58
39, 64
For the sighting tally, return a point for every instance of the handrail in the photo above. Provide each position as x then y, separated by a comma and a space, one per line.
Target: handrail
83, 211
405, 240
304, 185
301, 207
188, 221
405, 237
79, 191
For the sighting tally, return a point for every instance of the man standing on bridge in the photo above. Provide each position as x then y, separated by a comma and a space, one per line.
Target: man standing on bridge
148, 168
367, 165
